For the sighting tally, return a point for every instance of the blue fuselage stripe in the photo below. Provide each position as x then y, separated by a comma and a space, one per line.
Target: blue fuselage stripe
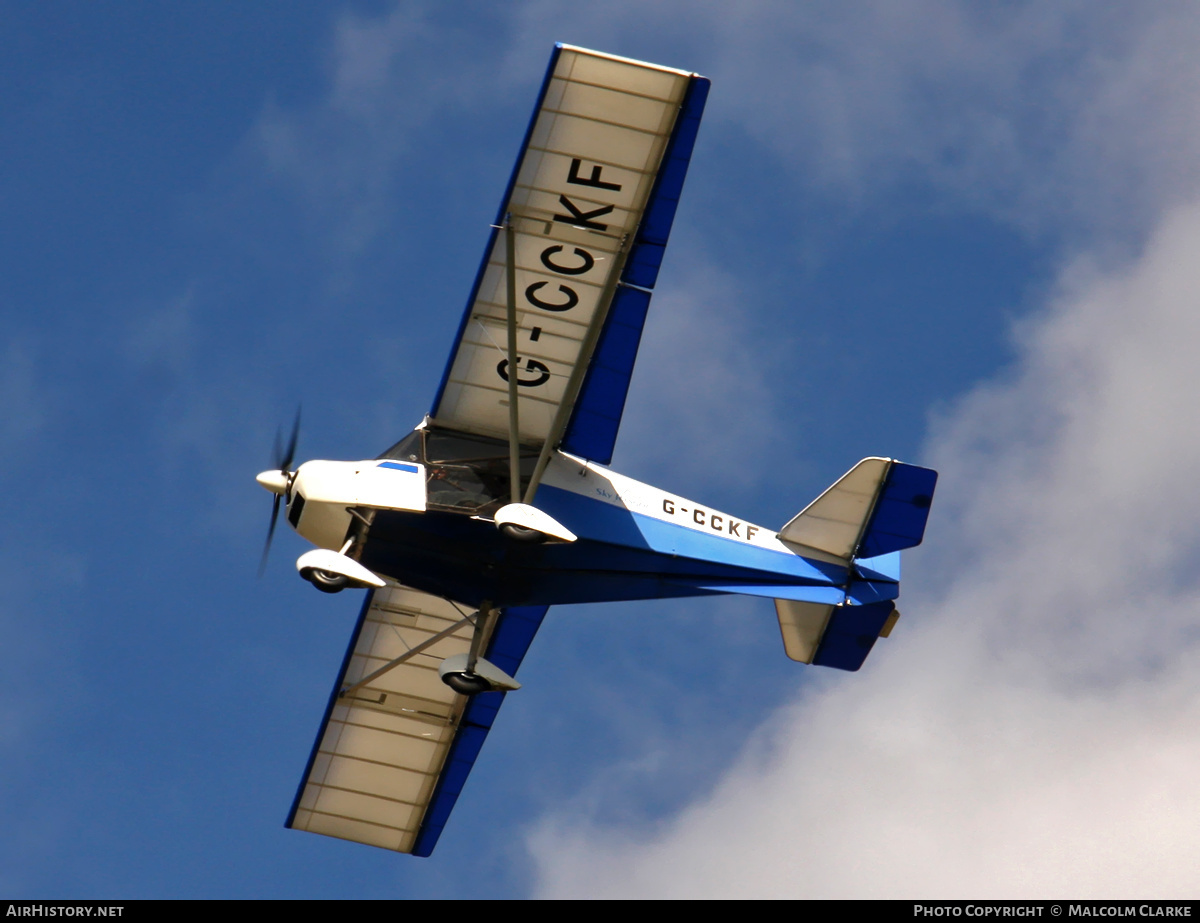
399, 466
611, 524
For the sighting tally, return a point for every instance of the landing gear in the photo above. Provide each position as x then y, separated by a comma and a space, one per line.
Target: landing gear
527, 523
332, 571
466, 683
521, 534
468, 673
325, 581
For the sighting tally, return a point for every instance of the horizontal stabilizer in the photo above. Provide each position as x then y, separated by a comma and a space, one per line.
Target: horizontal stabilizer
835, 521
876, 507
802, 625
832, 636
823, 595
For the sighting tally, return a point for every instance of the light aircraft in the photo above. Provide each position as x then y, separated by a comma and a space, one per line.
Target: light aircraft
499, 505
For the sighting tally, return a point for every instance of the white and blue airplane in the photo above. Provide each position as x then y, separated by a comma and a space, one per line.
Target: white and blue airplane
499, 504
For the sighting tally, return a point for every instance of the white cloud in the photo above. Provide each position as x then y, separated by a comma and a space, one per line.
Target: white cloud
1039, 112
1029, 728
1031, 733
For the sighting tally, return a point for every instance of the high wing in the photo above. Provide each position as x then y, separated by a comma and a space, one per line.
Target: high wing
589, 206
591, 202
392, 755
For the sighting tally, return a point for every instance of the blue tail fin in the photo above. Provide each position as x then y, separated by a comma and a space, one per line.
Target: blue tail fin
900, 512
876, 509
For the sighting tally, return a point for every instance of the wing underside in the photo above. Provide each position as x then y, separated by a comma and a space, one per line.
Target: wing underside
391, 757
591, 203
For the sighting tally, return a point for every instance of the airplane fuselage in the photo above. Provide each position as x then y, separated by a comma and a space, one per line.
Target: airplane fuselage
634, 541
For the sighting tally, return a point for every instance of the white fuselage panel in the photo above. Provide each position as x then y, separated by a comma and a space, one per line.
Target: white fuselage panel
596, 482
329, 488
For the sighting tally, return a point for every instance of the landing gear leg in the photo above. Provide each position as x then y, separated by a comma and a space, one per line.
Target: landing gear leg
470, 674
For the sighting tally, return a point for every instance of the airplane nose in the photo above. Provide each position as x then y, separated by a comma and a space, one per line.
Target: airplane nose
274, 481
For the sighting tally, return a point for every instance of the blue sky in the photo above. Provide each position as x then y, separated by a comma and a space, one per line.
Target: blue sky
955, 235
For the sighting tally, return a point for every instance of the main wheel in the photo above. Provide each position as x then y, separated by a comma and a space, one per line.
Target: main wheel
466, 683
326, 581
521, 534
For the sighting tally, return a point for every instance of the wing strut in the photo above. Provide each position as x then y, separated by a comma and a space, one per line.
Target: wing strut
567, 406
514, 421
412, 652
481, 620
486, 612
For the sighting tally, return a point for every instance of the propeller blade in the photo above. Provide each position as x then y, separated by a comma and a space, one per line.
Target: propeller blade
286, 463
262, 565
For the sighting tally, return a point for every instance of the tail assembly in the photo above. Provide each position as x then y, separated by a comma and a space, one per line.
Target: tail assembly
876, 509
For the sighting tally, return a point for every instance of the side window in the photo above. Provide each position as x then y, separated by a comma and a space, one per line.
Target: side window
468, 487
464, 473
470, 473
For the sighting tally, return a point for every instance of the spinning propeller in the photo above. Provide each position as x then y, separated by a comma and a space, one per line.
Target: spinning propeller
279, 482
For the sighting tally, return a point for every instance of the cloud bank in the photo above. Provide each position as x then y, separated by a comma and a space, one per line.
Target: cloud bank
1032, 731
1029, 730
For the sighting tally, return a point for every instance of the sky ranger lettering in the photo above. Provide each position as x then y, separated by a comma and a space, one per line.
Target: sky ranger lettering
499, 505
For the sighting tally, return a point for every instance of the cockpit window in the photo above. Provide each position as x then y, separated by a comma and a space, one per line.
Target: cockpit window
458, 447
464, 473
407, 449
